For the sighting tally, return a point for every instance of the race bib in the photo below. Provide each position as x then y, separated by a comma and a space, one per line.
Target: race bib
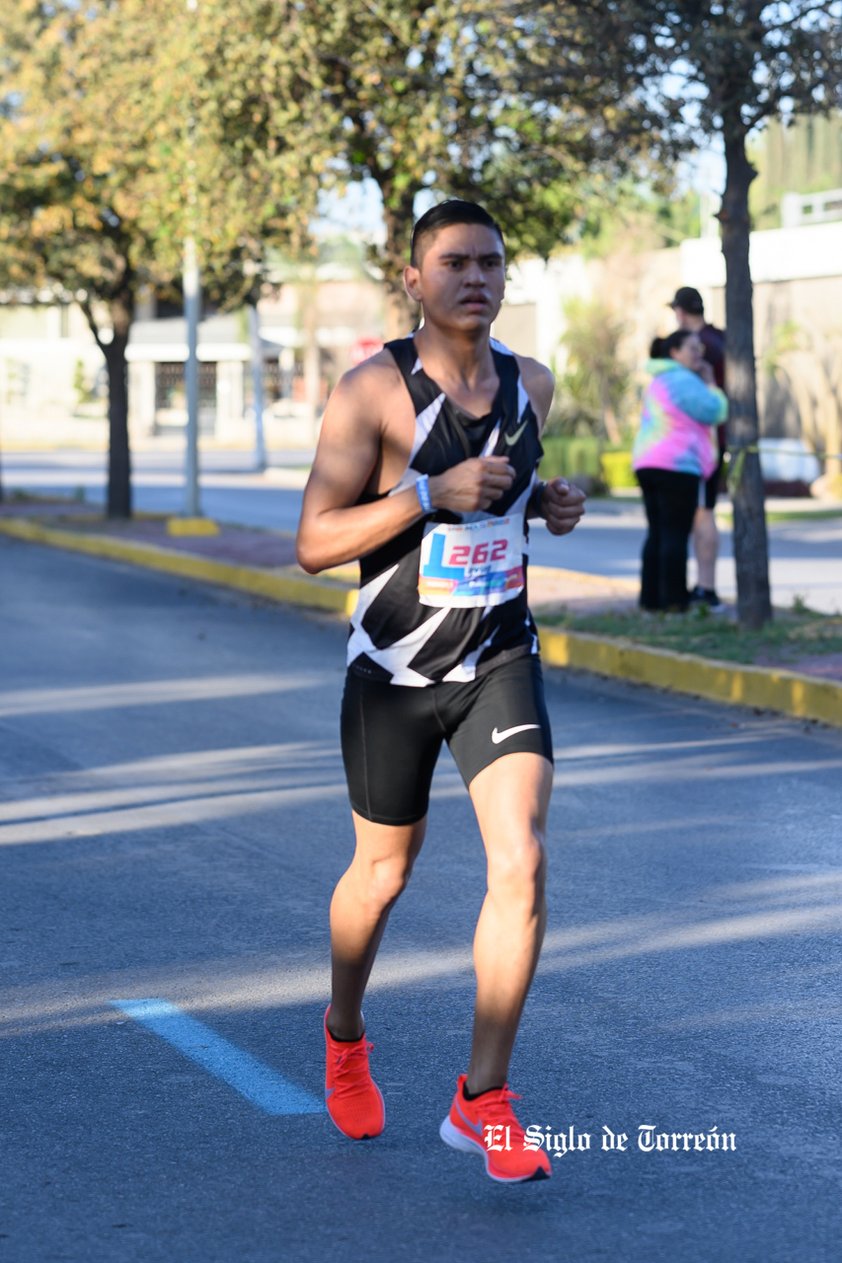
472, 563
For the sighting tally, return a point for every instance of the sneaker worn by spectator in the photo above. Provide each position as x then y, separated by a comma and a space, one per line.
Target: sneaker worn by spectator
706, 596
487, 1124
353, 1099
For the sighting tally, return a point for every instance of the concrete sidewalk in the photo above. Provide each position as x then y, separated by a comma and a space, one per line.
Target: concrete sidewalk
263, 564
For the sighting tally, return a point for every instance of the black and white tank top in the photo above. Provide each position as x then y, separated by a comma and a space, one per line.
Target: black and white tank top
446, 599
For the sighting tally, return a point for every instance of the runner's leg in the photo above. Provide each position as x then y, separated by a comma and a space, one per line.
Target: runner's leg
511, 798
359, 910
391, 739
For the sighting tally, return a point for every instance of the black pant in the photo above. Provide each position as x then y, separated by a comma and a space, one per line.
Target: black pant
670, 500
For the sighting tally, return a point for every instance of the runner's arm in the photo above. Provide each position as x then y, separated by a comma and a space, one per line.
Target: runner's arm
559, 503
334, 527
539, 384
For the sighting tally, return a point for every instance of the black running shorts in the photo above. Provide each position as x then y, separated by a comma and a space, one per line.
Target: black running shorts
392, 734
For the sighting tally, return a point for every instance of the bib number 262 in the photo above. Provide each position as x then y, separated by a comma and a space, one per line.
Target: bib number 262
477, 555
472, 563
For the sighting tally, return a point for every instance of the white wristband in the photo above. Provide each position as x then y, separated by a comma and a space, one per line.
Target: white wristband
422, 490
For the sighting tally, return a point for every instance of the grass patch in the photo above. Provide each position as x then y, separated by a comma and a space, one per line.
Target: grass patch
792, 635
807, 515
773, 516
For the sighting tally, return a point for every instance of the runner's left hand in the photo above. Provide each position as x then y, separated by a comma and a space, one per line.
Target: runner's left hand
562, 506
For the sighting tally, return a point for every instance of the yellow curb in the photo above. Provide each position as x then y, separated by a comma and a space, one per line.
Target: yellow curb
632, 586
191, 526
287, 585
787, 692
803, 696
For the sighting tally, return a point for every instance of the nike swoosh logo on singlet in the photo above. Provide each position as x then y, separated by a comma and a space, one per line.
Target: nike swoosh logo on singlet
498, 736
511, 439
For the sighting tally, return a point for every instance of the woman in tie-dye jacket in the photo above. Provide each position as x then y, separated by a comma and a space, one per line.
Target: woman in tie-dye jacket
674, 451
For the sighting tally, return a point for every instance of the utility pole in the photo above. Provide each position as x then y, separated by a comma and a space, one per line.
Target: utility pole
192, 304
252, 268
256, 344
192, 307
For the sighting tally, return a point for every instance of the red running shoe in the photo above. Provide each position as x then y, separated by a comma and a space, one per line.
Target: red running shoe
488, 1126
354, 1102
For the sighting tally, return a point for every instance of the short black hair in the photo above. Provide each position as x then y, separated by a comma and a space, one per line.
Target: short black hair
662, 348
453, 211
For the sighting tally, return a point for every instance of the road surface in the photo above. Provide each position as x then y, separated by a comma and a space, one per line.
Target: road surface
805, 555
172, 819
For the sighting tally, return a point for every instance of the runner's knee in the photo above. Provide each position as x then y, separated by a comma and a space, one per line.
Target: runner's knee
517, 872
382, 881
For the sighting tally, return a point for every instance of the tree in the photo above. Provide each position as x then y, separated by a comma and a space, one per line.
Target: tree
739, 64
503, 102
232, 163
126, 127
69, 202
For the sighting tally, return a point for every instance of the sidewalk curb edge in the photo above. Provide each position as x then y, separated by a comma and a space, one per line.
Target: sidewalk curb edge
275, 585
787, 692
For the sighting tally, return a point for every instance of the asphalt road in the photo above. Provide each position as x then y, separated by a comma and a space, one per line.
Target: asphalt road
805, 555
172, 819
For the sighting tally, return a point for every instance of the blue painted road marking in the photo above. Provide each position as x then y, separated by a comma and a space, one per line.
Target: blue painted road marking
264, 1087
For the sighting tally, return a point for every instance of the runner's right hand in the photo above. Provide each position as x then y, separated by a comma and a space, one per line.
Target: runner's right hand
473, 484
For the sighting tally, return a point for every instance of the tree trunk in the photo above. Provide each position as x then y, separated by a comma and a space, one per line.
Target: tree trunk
751, 557
121, 306
119, 458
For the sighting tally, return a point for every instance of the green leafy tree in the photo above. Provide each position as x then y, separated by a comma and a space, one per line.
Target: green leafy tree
737, 65
506, 103
127, 127
69, 202
233, 164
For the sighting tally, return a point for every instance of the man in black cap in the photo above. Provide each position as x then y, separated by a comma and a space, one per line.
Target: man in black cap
690, 314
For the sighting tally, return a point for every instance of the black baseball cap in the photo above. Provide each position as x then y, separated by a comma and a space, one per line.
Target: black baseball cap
689, 300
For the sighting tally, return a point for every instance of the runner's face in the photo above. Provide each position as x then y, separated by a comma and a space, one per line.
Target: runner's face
460, 277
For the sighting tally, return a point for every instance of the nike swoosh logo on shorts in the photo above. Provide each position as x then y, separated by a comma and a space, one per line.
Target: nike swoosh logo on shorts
511, 439
498, 736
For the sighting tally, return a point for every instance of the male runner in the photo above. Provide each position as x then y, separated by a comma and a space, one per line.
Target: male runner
425, 471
